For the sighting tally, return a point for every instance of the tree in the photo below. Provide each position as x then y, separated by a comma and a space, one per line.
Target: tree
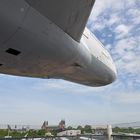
87, 126
79, 127
69, 128
88, 129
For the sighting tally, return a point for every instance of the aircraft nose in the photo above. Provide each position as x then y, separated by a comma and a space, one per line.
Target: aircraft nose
107, 76
112, 73
113, 76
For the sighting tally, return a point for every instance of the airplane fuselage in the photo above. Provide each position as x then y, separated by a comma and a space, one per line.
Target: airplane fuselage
32, 45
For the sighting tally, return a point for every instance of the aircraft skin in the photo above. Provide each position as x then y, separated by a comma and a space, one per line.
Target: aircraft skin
32, 45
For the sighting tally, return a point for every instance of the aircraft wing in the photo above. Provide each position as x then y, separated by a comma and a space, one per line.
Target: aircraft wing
70, 15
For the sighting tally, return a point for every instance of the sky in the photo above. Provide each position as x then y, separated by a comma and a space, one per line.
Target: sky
116, 23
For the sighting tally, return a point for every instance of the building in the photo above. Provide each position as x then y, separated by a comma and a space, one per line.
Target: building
69, 133
62, 125
47, 127
99, 129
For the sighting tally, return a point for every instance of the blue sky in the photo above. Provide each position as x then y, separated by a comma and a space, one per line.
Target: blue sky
116, 23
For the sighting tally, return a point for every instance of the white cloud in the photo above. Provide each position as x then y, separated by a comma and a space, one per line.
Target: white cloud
129, 98
56, 99
108, 47
100, 7
134, 13
100, 100
122, 31
123, 45
128, 59
121, 19
114, 19
116, 10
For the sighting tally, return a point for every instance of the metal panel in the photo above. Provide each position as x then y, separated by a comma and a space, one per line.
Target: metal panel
70, 15
12, 14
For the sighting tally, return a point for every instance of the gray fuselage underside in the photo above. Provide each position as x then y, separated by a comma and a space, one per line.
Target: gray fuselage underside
46, 51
